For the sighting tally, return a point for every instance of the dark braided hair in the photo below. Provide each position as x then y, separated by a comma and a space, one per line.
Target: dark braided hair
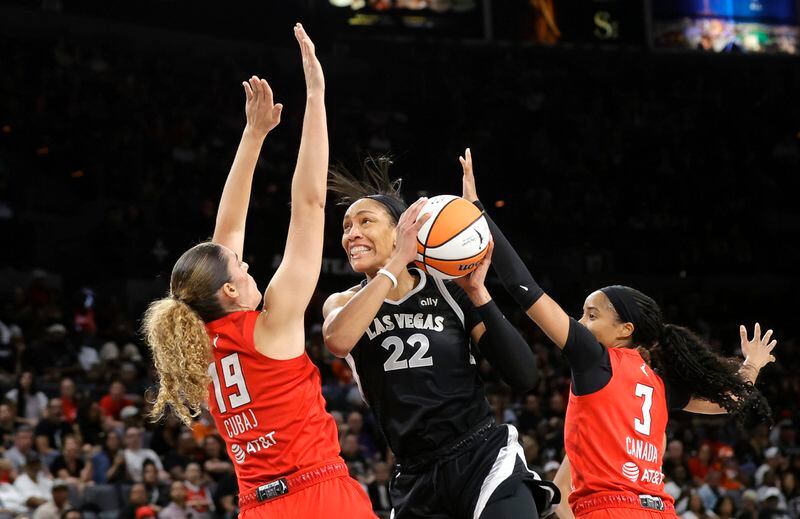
684, 358
373, 180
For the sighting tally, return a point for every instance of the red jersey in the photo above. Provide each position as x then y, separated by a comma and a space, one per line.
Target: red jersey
614, 437
270, 412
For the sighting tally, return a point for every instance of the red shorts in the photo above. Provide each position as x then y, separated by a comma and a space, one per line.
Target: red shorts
625, 513
338, 498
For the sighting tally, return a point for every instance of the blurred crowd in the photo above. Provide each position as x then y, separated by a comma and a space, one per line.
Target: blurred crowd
668, 170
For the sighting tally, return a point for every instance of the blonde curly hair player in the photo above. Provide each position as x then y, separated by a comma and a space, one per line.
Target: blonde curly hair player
212, 348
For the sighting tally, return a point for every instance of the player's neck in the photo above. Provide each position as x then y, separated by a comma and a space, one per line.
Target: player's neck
406, 282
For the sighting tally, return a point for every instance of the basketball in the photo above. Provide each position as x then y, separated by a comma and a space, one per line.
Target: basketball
455, 238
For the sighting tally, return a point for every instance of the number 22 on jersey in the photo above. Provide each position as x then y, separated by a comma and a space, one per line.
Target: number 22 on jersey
232, 375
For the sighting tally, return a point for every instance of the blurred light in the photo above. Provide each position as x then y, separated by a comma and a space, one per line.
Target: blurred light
682, 274
77, 174
500, 203
42, 151
797, 135
7, 128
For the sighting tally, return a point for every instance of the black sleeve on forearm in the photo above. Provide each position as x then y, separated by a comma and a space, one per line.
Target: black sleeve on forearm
506, 350
588, 360
513, 273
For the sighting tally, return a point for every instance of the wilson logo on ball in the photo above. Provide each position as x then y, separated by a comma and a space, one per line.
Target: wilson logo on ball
454, 240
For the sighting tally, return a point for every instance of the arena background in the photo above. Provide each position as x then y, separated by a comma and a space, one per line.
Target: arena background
652, 144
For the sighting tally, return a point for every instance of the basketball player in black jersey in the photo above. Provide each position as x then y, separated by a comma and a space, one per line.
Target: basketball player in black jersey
407, 338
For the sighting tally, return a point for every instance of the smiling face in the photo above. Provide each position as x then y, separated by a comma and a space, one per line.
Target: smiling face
602, 320
368, 236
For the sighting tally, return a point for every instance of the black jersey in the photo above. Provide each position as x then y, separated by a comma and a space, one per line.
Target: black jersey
415, 369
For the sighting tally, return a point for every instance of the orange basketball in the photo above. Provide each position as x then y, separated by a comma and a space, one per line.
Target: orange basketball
455, 238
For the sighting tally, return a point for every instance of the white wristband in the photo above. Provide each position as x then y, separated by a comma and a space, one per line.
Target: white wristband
390, 276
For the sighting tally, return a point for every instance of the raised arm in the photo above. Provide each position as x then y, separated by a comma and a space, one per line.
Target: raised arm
262, 116
513, 273
348, 314
292, 286
563, 481
757, 354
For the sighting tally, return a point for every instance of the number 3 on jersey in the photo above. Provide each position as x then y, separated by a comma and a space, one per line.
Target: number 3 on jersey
643, 425
233, 376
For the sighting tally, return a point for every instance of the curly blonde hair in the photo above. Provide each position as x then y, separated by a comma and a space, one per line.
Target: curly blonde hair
174, 329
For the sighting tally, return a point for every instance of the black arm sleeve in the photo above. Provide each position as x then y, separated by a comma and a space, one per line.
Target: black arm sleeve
588, 360
506, 350
515, 276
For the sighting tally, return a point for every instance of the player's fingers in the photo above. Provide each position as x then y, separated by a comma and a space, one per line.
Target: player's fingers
772, 358
757, 332
421, 221
743, 333
276, 112
765, 339
267, 91
771, 346
254, 87
247, 90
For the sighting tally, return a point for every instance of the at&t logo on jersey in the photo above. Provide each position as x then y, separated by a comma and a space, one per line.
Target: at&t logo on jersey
238, 453
630, 471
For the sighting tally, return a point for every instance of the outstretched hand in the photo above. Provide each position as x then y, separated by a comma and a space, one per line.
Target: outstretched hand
758, 351
469, 191
262, 113
407, 229
315, 79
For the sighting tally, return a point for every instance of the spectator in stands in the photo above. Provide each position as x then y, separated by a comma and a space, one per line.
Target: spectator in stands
351, 454
530, 416
355, 423
34, 486
700, 464
11, 501
157, 492
69, 400
176, 460
198, 493
378, 489
53, 425
725, 508
108, 465
177, 508
59, 503
137, 498
217, 464
772, 462
135, 454
69, 466
112, 403
90, 423
225, 496
23, 445
31, 403
8, 423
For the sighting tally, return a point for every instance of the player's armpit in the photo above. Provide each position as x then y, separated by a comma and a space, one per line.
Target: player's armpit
700, 406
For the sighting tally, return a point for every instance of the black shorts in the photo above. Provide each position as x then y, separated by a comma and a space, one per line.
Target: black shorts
486, 463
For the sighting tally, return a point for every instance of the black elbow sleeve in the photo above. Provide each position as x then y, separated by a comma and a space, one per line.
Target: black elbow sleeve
506, 350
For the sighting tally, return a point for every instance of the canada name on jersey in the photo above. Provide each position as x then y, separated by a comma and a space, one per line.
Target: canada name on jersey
403, 321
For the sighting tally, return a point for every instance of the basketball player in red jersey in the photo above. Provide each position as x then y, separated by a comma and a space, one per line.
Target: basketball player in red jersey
629, 369
210, 344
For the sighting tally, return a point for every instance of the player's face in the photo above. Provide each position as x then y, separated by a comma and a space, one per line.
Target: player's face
368, 235
247, 292
602, 320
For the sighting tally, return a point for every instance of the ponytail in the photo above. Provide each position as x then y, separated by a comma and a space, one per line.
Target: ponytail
684, 358
181, 352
